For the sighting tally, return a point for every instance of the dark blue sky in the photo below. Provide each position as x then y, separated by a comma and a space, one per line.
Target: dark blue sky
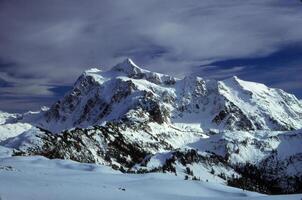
45, 46
281, 69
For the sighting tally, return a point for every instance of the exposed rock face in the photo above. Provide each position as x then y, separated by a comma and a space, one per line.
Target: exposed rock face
232, 116
102, 145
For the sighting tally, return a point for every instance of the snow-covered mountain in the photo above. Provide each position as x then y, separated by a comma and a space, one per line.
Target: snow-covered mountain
140, 121
129, 92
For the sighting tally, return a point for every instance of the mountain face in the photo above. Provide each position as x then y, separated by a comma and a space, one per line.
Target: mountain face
129, 93
232, 131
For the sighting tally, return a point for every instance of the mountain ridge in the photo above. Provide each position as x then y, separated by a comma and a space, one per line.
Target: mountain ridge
277, 111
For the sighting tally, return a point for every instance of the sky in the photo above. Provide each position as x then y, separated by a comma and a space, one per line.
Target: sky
46, 45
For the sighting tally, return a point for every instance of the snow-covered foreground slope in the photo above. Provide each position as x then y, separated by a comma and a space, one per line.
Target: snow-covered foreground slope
38, 178
264, 161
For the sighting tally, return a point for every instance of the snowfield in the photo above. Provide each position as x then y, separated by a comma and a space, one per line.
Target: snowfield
39, 178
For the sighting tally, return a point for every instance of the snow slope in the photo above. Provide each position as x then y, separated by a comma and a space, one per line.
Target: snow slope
276, 154
5, 116
39, 178
10, 126
210, 157
12, 130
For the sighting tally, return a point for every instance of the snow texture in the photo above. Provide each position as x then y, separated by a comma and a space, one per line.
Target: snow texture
39, 178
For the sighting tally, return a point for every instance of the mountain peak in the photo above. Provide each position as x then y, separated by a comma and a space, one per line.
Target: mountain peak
233, 78
128, 67
130, 62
